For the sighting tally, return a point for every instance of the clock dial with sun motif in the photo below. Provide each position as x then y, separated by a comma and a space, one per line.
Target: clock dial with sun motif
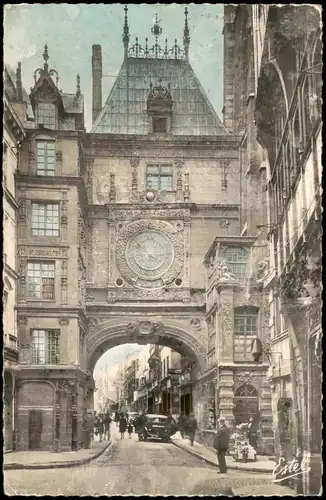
149, 254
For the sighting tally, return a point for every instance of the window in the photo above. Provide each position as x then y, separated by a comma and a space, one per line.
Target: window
45, 157
40, 280
245, 329
46, 115
45, 347
159, 177
237, 259
45, 219
159, 125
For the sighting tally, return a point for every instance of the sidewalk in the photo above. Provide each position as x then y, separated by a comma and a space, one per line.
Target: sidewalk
262, 465
49, 460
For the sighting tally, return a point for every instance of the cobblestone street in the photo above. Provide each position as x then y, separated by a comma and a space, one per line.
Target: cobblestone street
131, 467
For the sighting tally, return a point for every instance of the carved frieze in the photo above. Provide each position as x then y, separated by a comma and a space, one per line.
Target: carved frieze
22, 320
171, 235
26, 251
131, 294
141, 213
195, 322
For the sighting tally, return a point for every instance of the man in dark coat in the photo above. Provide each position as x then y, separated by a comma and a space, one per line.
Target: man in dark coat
253, 432
192, 427
221, 445
182, 421
107, 422
123, 424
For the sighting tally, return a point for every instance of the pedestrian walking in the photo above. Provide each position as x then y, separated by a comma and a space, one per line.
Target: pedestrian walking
107, 422
182, 420
221, 445
192, 426
130, 429
100, 427
122, 425
253, 432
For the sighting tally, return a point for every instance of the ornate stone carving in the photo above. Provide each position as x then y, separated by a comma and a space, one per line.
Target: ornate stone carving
89, 250
64, 281
224, 224
174, 294
93, 323
151, 195
22, 320
262, 270
196, 323
22, 209
224, 272
142, 213
89, 297
227, 327
186, 192
59, 156
303, 282
244, 378
224, 166
123, 237
59, 253
134, 162
140, 329
112, 192
63, 321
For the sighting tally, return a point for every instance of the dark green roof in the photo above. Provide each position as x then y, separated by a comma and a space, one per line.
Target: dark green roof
125, 111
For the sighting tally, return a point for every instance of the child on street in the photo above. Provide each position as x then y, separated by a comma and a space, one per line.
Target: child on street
130, 429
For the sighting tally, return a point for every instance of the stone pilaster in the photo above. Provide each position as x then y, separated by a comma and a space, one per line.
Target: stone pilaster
225, 326
226, 395
266, 417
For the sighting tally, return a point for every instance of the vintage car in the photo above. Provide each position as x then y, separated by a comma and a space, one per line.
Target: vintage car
157, 427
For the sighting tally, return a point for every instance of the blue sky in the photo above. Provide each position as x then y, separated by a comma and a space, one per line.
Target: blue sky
71, 30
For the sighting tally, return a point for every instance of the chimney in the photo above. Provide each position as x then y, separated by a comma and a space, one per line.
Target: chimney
97, 81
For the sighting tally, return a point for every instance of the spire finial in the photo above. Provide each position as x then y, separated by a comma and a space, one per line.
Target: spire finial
125, 34
19, 87
156, 29
46, 57
186, 37
78, 86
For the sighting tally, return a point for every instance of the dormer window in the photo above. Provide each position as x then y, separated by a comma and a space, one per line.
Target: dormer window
159, 109
46, 115
159, 125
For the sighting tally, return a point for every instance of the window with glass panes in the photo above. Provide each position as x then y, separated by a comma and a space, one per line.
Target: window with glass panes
46, 115
237, 260
45, 347
245, 329
45, 219
45, 158
40, 280
159, 177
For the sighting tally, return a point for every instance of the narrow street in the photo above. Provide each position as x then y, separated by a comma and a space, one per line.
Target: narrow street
131, 467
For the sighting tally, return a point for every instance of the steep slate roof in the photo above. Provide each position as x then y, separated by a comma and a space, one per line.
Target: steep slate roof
125, 111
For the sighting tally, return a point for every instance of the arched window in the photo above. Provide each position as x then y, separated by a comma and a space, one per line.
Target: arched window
245, 329
245, 404
237, 259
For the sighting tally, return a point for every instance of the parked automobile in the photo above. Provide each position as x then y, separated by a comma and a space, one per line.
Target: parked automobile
157, 427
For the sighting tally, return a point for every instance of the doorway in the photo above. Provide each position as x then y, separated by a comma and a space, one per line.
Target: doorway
186, 403
246, 404
35, 425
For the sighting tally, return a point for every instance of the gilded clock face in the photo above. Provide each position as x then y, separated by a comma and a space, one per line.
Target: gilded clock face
149, 254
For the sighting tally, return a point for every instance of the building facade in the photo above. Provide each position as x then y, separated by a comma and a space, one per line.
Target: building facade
165, 226
289, 129
13, 137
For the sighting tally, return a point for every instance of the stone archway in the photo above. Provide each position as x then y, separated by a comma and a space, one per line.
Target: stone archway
104, 335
